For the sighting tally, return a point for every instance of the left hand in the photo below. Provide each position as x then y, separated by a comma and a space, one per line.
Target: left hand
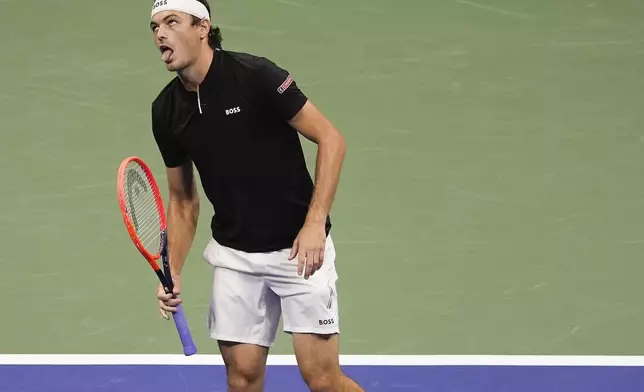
309, 246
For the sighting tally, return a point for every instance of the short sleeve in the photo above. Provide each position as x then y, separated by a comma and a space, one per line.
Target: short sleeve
172, 152
278, 90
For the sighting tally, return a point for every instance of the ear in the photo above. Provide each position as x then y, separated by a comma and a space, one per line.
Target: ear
204, 28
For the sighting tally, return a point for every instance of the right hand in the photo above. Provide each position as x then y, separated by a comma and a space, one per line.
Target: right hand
169, 302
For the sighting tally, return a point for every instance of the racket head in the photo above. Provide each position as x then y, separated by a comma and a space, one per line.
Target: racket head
142, 208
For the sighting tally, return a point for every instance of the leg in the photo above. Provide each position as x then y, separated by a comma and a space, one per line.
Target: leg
245, 366
318, 360
310, 310
243, 318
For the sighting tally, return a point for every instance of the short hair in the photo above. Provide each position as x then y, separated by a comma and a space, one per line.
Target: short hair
214, 37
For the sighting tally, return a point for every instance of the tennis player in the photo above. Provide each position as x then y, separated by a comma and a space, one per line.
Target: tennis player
237, 118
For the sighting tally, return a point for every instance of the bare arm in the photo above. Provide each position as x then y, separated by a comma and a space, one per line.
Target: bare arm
309, 245
183, 214
313, 125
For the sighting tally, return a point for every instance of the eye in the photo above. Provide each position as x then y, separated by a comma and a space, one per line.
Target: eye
172, 22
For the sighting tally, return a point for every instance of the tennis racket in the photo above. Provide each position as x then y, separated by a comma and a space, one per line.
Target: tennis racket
144, 216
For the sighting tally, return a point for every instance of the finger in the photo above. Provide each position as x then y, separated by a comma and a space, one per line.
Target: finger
294, 250
301, 265
321, 257
173, 302
310, 263
317, 261
164, 297
313, 263
167, 308
163, 310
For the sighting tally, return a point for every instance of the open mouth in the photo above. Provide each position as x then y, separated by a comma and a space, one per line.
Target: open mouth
166, 52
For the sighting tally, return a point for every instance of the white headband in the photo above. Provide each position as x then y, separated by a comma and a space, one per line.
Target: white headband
192, 7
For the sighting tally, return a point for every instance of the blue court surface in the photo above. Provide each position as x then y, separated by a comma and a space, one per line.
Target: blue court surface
142, 373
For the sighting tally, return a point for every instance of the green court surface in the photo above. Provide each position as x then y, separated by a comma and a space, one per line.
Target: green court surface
492, 200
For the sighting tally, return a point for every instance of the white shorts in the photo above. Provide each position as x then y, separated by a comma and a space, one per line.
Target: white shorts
252, 290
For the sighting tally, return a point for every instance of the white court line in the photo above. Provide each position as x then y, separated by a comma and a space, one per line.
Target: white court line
347, 360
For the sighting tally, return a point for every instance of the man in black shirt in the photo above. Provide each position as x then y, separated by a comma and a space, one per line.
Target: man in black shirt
237, 118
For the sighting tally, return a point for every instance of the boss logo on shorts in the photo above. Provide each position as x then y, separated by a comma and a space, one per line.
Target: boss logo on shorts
160, 3
327, 322
233, 111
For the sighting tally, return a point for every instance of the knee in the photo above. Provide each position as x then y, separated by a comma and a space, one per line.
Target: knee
243, 376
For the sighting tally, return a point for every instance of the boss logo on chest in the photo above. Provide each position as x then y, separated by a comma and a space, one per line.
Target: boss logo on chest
233, 111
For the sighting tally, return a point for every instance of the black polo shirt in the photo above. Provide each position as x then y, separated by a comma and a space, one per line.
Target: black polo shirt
249, 158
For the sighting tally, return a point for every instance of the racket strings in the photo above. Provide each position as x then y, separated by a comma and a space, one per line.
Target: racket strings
142, 207
149, 231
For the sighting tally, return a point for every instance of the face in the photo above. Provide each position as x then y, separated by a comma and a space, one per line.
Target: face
178, 40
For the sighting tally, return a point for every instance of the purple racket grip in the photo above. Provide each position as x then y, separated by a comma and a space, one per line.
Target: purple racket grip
179, 317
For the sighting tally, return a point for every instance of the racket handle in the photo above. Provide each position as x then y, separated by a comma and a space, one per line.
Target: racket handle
181, 323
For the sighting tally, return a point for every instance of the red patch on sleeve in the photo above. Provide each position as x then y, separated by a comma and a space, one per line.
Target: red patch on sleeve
285, 85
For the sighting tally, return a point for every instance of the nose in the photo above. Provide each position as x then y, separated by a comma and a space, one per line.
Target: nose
161, 34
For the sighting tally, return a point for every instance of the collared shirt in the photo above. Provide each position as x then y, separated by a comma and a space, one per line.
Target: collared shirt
250, 161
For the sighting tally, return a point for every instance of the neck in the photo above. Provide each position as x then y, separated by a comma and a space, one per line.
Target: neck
193, 75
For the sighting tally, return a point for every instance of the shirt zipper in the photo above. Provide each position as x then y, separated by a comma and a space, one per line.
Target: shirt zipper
199, 100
